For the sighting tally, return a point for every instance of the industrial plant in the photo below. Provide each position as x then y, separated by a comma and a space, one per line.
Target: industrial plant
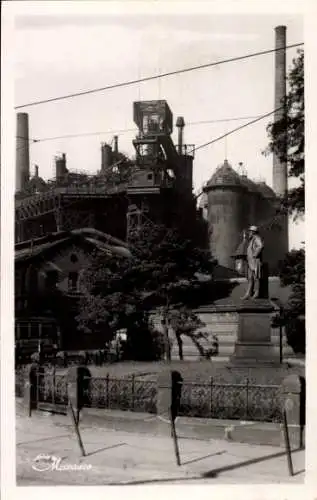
54, 218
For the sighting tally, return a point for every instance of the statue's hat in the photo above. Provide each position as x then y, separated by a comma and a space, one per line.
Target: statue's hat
254, 229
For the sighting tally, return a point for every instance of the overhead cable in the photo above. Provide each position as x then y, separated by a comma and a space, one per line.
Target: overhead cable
154, 77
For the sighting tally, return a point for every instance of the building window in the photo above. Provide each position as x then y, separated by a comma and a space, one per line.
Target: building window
72, 281
73, 258
51, 279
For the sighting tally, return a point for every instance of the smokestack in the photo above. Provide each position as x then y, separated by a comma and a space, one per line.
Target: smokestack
106, 157
36, 173
280, 167
60, 166
115, 144
22, 152
180, 124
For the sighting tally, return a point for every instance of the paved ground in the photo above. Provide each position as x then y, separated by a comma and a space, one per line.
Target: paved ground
121, 457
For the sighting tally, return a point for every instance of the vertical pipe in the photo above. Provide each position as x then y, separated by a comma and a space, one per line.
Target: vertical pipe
22, 152
180, 140
180, 124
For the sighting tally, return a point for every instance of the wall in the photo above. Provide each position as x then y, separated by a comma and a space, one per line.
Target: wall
63, 264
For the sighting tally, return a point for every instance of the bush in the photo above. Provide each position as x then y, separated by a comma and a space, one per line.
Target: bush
144, 343
35, 357
295, 329
158, 345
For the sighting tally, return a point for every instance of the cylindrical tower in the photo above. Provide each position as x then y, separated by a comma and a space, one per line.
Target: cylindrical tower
226, 214
280, 166
106, 157
22, 152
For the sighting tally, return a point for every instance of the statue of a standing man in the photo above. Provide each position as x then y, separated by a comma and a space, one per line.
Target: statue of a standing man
254, 262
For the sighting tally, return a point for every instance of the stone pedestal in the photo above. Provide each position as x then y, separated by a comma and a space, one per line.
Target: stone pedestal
254, 343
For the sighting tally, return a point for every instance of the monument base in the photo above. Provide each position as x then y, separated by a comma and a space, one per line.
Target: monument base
253, 343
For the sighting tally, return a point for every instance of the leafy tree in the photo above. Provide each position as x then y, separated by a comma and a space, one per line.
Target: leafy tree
120, 292
290, 128
292, 272
185, 322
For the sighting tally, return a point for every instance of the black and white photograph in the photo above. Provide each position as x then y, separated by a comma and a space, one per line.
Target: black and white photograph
158, 256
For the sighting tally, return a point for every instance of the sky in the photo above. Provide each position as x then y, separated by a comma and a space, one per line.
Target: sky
57, 53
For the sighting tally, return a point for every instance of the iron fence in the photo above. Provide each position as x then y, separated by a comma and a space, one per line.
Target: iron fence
121, 394
19, 381
52, 389
232, 401
243, 401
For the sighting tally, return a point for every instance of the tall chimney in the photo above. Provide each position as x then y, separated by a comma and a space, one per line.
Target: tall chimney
115, 144
106, 157
180, 124
60, 167
22, 152
280, 167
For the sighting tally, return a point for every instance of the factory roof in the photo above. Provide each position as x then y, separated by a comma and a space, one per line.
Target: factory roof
265, 190
225, 175
94, 239
249, 184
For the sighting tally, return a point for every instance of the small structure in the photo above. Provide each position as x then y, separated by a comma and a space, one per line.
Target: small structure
48, 274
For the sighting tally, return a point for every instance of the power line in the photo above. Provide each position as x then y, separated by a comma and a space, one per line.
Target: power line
87, 134
84, 134
154, 77
223, 136
222, 120
232, 132
236, 129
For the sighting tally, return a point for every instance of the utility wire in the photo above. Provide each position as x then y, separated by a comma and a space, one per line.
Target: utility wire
232, 132
236, 130
86, 134
259, 118
154, 77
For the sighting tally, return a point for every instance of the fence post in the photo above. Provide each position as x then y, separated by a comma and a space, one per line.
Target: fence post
133, 389
247, 399
53, 386
293, 401
107, 390
78, 379
211, 388
287, 445
30, 396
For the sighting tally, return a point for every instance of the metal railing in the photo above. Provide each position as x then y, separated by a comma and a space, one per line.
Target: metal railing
244, 401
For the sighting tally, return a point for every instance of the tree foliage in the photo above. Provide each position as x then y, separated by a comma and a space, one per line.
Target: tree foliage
290, 128
120, 292
185, 322
292, 272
